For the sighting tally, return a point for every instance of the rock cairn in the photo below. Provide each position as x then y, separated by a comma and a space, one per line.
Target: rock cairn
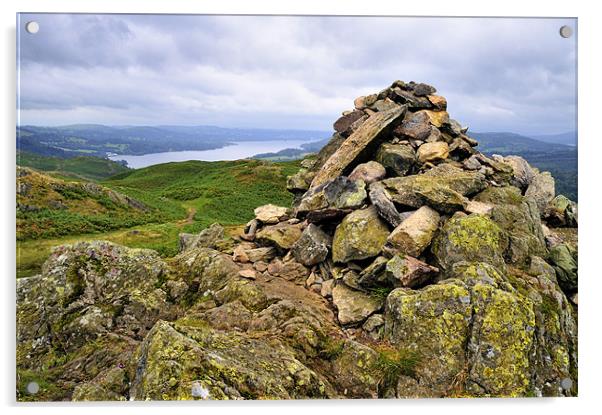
400, 202
410, 265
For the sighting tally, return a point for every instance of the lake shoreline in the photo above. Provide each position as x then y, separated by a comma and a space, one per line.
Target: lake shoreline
233, 151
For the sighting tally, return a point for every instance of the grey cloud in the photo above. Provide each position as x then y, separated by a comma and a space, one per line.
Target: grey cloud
262, 71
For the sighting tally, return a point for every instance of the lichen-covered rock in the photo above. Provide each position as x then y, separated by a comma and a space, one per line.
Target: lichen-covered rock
206, 270
542, 189
397, 159
207, 238
563, 260
523, 173
518, 216
474, 238
360, 235
312, 247
353, 306
443, 188
415, 233
352, 371
358, 143
481, 333
340, 193
282, 236
85, 312
189, 360
369, 172
434, 323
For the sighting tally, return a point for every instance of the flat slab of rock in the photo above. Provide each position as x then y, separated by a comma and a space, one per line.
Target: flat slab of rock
360, 235
340, 193
415, 233
354, 306
270, 214
416, 191
374, 128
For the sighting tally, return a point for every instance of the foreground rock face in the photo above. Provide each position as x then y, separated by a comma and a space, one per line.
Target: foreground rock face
431, 270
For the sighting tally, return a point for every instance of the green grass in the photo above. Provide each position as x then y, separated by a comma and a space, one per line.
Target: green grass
83, 167
224, 192
392, 363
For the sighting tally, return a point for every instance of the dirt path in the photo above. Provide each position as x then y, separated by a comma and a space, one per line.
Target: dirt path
189, 218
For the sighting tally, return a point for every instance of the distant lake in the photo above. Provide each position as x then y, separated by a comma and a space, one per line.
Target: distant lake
236, 151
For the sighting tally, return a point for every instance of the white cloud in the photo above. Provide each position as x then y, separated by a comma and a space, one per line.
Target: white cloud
296, 72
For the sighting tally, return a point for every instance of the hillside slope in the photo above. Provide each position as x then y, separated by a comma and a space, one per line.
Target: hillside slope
50, 207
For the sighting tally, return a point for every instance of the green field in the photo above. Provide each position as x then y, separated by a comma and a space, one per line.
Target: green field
184, 197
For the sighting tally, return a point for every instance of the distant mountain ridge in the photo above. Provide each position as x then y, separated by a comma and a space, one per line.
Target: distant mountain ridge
568, 138
101, 140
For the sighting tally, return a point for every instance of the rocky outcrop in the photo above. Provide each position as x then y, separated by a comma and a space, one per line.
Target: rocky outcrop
410, 265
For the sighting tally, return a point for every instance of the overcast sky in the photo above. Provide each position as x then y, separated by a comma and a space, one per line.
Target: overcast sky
291, 72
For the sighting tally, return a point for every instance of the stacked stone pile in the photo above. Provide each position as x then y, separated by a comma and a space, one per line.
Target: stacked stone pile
405, 248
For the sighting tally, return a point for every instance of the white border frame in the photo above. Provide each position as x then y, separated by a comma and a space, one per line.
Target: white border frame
590, 149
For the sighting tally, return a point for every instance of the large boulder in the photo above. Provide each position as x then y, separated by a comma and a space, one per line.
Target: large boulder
189, 360
561, 211
563, 260
207, 238
481, 333
415, 233
84, 314
523, 173
360, 143
361, 234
